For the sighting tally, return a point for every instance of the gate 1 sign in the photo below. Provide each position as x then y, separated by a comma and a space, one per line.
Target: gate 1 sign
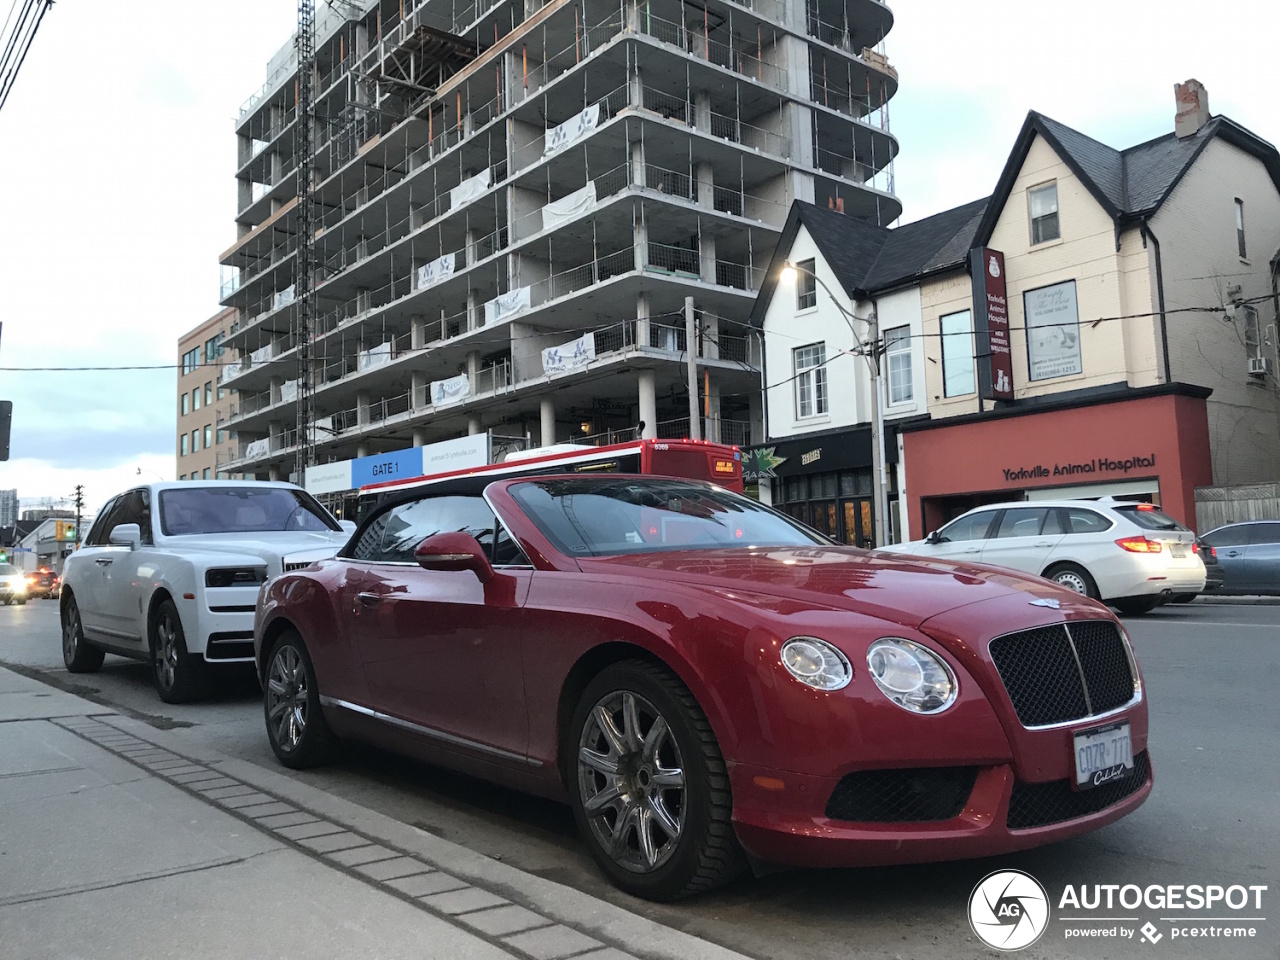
991, 324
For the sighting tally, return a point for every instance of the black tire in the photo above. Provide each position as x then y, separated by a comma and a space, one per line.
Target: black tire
1136, 606
77, 654
21, 601
704, 853
300, 737
1184, 598
1073, 577
178, 675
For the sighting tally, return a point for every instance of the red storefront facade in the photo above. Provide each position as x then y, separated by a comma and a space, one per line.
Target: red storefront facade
1149, 443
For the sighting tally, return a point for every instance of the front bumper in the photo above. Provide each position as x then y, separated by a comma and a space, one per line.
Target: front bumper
796, 831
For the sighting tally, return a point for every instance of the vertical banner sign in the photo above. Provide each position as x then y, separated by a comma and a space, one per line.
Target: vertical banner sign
991, 324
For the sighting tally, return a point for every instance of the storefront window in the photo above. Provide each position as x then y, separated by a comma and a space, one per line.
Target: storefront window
957, 355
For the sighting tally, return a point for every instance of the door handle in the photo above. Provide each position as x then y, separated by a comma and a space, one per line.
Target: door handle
104, 561
1047, 543
368, 599
973, 550
1233, 553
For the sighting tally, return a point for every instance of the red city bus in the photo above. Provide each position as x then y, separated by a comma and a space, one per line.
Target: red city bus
691, 459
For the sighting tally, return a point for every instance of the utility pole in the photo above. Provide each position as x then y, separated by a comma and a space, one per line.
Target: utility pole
304, 151
874, 351
79, 509
691, 355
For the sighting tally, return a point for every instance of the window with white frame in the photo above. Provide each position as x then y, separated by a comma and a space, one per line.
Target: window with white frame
957, 355
811, 380
1240, 228
1043, 204
806, 285
1252, 339
897, 355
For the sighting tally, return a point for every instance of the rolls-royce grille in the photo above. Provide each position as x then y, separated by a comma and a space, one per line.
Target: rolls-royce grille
1064, 672
1040, 804
902, 796
299, 565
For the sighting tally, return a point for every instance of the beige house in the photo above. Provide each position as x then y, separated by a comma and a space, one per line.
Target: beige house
203, 405
1139, 357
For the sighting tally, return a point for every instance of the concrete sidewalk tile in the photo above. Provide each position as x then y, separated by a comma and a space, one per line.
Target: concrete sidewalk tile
153, 757
204, 786
333, 842
358, 855
243, 800
608, 953
385, 870
230, 793
427, 884
500, 921
307, 830
196, 776
463, 901
551, 943
177, 770
147, 753
268, 809
292, 819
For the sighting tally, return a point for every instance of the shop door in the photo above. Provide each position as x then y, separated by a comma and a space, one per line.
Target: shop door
859, 530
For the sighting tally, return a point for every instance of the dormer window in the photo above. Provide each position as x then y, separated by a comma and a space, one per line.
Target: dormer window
1043, 204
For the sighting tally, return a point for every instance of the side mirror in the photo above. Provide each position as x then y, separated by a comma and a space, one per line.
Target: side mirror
348, 526
127, 535
454, 551
934, 537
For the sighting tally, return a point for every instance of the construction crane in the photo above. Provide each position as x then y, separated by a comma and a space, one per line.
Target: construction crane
304, 153
18, 40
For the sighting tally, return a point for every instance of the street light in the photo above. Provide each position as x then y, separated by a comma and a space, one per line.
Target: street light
138, 472
871, 350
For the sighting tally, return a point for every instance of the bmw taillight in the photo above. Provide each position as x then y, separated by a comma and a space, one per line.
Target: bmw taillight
1213, 552
1139, 545
1195, 547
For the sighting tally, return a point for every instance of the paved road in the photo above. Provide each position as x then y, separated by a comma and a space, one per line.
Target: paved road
1212, 671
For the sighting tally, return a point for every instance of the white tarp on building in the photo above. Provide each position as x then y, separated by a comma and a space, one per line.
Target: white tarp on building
283, 296
569, 356
257, 448
288, 391
567, 208
376, 357
469, 189
261, 355
454, 390
232, 369
572, 129
437, 271
507, 305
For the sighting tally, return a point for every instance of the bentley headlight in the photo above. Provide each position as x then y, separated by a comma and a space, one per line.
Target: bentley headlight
912, 676
816, 663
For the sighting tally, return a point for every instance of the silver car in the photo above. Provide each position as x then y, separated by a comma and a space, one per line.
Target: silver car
1250, 556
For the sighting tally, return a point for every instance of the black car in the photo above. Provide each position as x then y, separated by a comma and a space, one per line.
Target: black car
44, 583
1212, 572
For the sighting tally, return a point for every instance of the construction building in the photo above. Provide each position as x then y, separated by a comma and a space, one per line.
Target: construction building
512, 204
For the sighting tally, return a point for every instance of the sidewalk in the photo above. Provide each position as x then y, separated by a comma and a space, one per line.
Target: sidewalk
114, 846
1250, 600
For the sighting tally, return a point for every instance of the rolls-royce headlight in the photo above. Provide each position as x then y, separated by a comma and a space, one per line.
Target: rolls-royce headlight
911, 675
816, 663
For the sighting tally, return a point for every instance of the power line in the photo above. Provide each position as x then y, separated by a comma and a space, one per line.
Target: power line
7, 78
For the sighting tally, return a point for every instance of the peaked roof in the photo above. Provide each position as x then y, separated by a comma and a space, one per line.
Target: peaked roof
869, 259
1130, 184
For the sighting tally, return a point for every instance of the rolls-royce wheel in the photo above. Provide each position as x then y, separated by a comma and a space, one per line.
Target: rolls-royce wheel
296, 726
179, 676
76, 653
649, 787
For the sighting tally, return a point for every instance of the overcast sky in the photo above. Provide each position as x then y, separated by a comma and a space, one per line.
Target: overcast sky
117, 154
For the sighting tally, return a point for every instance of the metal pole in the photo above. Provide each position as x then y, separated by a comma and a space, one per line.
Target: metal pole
878, 479
690, 352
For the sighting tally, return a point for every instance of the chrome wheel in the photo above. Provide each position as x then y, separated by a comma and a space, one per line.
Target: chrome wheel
71, 634
1072, 581
166, 652
287, 698
632, 782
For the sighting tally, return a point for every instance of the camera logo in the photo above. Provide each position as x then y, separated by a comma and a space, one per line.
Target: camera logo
1008, 910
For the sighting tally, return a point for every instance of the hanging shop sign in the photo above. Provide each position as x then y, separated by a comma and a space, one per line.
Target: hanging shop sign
991, 324
1053, 331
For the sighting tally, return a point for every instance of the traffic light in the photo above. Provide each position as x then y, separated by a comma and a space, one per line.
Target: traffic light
4, 555
6, 418
64, 530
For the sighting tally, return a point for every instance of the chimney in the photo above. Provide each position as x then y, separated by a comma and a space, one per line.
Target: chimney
1192, 101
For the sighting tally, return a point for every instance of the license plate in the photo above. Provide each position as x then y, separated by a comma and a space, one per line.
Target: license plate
1178, 551
1103, 754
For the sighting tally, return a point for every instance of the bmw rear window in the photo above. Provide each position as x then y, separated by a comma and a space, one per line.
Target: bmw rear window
1149, 517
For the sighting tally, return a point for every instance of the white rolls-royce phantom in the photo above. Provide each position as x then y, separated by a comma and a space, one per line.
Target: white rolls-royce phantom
169, 573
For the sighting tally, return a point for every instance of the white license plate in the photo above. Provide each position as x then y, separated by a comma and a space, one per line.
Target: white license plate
1103, 754
1178, 551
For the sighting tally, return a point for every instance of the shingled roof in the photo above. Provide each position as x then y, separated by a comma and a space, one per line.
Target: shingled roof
1130, 184
869, 259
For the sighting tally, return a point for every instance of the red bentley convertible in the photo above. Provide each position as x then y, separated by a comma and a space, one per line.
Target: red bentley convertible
706, 681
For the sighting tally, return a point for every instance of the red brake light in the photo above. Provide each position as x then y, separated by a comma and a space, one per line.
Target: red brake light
1146, 506
1213, 552
1139, 545
1195, 546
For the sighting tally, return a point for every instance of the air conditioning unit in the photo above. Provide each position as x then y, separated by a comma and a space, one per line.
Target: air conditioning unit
1257, 366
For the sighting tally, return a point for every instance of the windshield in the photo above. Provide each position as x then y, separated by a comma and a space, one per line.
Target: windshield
248, 509
6, 569
609, 516
1148, 517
